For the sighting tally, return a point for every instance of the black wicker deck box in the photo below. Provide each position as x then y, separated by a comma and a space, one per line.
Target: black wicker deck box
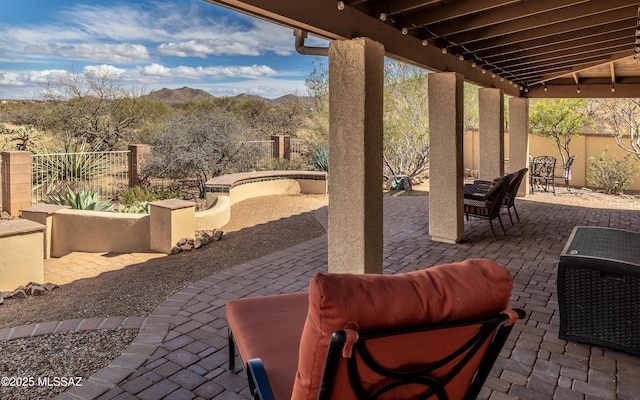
599, 288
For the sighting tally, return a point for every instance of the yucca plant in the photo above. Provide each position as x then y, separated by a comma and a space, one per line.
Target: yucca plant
67, 163
83, 200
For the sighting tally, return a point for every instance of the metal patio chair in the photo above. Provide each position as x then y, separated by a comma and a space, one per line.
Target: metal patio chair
542, 172
428, 334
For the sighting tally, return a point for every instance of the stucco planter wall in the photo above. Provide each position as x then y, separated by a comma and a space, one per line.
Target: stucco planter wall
97, 231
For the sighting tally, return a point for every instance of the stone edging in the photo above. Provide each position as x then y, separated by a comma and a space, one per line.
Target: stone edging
153, 330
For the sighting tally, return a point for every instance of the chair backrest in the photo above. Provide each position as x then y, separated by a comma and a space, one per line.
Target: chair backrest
495, 196
514, 185
543, 166
455, 364
433, 325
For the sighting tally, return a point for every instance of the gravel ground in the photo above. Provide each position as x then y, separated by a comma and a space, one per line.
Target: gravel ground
42, 367
258, 227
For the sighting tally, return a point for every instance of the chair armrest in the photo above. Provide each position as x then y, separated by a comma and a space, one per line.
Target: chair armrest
475, 192
258, 381
475, 196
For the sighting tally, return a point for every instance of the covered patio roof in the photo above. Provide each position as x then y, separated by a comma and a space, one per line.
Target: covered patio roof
543, 48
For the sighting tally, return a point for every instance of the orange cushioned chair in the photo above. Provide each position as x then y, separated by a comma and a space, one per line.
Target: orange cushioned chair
432, 333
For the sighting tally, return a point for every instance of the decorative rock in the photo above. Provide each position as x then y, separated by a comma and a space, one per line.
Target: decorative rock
18, 294
36, 290
1, 299
50, 286
201, 238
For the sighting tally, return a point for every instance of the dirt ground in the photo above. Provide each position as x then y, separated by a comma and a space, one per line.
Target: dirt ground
258, 227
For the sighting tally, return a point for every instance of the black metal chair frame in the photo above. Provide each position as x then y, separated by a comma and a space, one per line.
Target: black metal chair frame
493, 199
542, 172
567, 173
415, 375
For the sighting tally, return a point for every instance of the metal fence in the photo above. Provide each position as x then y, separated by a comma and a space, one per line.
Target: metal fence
262, 148
298, 147
103, 172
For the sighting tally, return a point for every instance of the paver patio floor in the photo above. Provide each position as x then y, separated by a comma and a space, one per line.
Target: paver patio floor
181, 351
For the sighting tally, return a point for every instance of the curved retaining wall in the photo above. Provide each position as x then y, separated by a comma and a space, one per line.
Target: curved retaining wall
227, 190
70, 230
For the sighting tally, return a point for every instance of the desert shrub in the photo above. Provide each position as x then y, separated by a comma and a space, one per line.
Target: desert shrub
612, 175
83, 200
197, 147
138, 194
280, 164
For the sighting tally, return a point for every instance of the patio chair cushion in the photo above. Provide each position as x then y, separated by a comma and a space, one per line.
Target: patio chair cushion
277, 318
470, 289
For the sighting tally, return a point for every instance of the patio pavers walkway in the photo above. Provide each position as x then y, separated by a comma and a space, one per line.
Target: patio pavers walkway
181, 352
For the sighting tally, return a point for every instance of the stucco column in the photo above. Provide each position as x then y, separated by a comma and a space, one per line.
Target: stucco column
491, 112
138, 154
519, 139
356, 76
16, 181
446, 168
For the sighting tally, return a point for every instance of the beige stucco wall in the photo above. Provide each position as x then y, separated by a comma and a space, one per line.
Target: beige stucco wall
582, 146
21, 246
215, 217
171, 220
97, 231
220, 213
93, 231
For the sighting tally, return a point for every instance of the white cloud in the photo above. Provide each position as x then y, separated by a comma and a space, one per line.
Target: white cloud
154, 71
269, 88
116, 53
204, 47
104, 70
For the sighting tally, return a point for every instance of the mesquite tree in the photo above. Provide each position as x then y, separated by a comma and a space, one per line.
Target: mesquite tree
621, 119
560, 120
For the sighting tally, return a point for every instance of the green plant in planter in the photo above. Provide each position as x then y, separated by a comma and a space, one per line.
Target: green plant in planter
83, 200
135, 208
140, 195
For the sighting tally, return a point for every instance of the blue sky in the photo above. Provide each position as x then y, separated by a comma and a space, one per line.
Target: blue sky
156, 44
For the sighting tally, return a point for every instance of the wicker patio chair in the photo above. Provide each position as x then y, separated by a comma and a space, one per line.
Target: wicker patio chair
428, 334
509, 202
487, 204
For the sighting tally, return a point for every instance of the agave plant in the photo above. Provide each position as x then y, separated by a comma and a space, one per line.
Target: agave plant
83, 200
319, 158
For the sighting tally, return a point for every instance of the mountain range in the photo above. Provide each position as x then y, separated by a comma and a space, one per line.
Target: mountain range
185, 94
